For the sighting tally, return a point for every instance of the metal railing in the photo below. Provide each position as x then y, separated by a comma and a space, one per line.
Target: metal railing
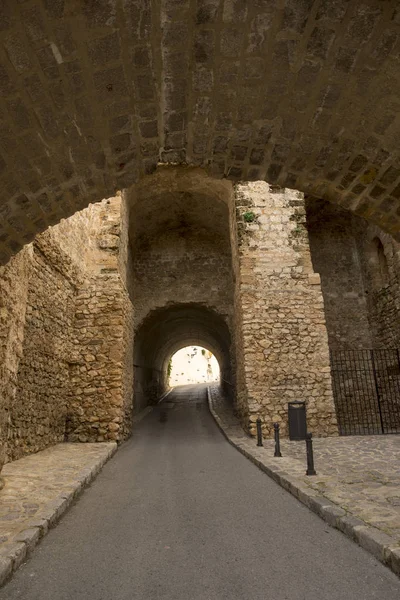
366, 389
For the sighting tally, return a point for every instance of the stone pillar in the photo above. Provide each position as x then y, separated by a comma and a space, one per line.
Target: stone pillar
100, 407
100, 391
279, 301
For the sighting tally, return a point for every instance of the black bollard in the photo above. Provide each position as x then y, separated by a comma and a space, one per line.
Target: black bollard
277, 441
259, 433
310, 455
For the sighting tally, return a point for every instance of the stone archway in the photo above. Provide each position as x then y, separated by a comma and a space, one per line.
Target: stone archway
302, 94
169, 329
183, 238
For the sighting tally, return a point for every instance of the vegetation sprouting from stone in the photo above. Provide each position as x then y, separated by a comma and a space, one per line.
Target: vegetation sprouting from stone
249, 216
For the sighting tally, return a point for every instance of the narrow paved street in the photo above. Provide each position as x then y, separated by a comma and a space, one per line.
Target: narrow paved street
179, 514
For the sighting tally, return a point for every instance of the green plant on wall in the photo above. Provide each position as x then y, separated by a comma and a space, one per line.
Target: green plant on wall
298, 230
249, 216
169, 368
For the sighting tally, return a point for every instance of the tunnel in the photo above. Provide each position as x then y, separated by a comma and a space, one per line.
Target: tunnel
311, 107
167, 330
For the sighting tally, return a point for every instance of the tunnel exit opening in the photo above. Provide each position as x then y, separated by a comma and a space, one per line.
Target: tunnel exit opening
164, 334
182, 279
192, 364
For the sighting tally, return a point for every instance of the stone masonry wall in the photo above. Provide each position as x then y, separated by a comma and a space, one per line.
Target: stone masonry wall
285, 346
13, 296
181, 255
359, 267
98, 92
335, 257
381, 281
64, 309
102, 371
56, 265
38, 410
37, 291
182, 269
237, 226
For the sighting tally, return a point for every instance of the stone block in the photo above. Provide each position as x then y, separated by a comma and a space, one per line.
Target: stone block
29, 537
373, 540
6, 566
16, 552
392, 558
104, 50
314, 279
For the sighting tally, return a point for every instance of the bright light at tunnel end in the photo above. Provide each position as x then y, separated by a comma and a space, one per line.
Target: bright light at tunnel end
193, 364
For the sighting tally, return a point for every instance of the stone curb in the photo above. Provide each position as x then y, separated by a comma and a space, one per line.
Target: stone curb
15, 552
167, 393
379, 544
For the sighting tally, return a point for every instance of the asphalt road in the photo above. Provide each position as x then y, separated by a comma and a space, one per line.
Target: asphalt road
179, 514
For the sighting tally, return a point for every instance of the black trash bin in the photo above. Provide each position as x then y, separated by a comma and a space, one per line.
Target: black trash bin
297, 420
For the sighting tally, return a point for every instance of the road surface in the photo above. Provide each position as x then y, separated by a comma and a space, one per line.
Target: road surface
179, 514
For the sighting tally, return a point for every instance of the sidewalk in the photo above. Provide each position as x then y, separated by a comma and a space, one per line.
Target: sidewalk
357, 486
38, 489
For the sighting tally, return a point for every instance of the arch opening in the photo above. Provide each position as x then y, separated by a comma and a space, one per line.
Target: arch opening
165, 332
182, 274
288, 125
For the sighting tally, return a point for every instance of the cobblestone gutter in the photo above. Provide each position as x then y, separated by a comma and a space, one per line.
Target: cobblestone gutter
38, 490
357, 489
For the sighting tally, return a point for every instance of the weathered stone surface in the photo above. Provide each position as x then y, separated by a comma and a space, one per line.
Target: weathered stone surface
38, 489
279, 313
13, 293
180, 242
16, 551
64, 330
359, 268
101, 372
204, 262
6, 566
296, 94
182, 281
29, 537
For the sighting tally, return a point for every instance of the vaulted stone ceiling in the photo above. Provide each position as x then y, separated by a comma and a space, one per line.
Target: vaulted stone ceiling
95, 93
182, 214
